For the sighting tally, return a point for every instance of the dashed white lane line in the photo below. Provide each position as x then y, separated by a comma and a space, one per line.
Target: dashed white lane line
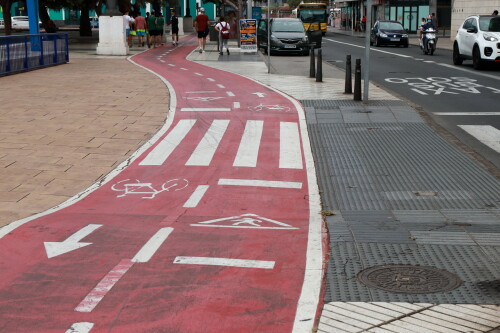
467, 113
220, 86
82, 327
260, 183
230, 94
152, 245
242, 263
184, 69
163, 150
199, 74
248, 150
201, 92
205, 109
104, 286
290, 152
236, 105
210, 79
204, 152
196, 197
487, 134
172, 65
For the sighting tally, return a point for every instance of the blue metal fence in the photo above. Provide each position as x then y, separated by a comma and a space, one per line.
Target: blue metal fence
25, 52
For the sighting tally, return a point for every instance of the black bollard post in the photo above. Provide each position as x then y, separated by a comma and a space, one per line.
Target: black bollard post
357, 80
312, 70
348, 75
319, 69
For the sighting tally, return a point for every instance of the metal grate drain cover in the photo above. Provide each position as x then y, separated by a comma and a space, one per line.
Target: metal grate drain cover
409, 279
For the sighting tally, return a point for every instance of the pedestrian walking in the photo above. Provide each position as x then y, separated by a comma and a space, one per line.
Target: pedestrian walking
363, 23
151, 21
174, 22
140, 29
160, 22
223, 28
201, 26
147, 30
127, 20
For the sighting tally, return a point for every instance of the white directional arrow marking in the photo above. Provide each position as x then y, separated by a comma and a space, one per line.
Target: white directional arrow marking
54, 249
259, 94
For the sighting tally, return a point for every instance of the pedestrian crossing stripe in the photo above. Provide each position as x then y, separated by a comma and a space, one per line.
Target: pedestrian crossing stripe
290, 152
486, 134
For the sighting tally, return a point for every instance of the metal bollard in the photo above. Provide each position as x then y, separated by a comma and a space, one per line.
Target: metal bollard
319, 69
357, 80
312, 70
348, 75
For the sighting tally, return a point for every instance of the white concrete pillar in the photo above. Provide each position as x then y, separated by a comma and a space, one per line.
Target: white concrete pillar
112, 39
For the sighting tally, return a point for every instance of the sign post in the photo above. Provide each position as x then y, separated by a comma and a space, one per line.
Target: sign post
367, 49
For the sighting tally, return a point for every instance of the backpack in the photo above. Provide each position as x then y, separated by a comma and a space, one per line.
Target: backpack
224, 31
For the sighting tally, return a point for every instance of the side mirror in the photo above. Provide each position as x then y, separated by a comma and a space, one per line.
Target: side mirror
472, 30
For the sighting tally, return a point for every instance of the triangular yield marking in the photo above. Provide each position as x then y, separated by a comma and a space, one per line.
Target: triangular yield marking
245, 221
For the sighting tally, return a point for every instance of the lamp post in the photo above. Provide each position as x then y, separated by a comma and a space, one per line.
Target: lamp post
367, 49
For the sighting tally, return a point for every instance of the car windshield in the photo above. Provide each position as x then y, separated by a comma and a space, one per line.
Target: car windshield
312, 16
390, 26
489, 24
287, 26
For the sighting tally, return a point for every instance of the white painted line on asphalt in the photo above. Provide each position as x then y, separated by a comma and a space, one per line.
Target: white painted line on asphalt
236, 105
172, 65
184, 69
71, 243
163, 150
242, 227
290, 152
259, 183
467, 113
487, 134
248, 149
104, 286
429, 61
204, 152
200, 92
371, 49
162, 61
470, 71
199, 74
210, 79
230, 94
205, 109
242, 263
220, 86
82, 327
197, 195
152, 245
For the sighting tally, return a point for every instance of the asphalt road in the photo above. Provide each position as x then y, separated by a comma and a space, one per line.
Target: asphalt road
460, 99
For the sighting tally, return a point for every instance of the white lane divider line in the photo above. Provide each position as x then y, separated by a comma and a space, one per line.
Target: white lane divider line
248, 150
230, 94
243, 263
220, 86
210, 79
172, 65
467, 113
487, 134
97, 294
163, 150
204, 152
184, 69
152, 245
259, 183
290, 152
162, 61
205, 109
200, 92
236, 105
82, 327
199, 74
196, 197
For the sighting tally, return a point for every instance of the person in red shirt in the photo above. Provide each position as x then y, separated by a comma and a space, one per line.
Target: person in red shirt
201, 25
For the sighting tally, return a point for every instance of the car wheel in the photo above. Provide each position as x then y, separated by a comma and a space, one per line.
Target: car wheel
477, 63
457, 58
377, 43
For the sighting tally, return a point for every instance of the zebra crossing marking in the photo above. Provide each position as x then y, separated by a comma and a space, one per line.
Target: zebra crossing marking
248, 149
486, 134
204, 152
290, 152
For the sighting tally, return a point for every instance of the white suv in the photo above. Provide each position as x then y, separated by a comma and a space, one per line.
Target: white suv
478, 39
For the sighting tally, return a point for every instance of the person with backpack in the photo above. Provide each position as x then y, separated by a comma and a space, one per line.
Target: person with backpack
223, 29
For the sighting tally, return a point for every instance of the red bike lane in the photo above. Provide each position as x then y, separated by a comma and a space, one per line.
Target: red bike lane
208, 230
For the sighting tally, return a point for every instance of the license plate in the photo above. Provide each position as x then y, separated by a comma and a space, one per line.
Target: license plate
287, 46
394, 39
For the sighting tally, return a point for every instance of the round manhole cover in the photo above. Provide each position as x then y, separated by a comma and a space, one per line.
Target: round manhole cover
409, 279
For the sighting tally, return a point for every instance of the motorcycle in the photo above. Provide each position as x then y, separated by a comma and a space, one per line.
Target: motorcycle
429, 41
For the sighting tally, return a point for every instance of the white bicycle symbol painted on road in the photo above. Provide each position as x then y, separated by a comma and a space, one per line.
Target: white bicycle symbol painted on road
262, 107
147, 189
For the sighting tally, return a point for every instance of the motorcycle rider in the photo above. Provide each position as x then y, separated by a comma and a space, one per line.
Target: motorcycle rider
425, 27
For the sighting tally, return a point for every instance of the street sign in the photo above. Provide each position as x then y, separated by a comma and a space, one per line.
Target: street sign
248, 36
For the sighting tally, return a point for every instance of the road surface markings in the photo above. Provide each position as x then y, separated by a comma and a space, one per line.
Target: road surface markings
152, 245
82, 327
371, 49
199, 74
487, 134
259, 183
259, 94
184, 69
290, 152
467, 113
97, 294
204, 152
200, 92
243, 263
245, 221
172, 65
162, 61
236, 105
71, 243
220, 86
205, 109
163, 150
196, 196
248, 149
210, 79
230, 94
